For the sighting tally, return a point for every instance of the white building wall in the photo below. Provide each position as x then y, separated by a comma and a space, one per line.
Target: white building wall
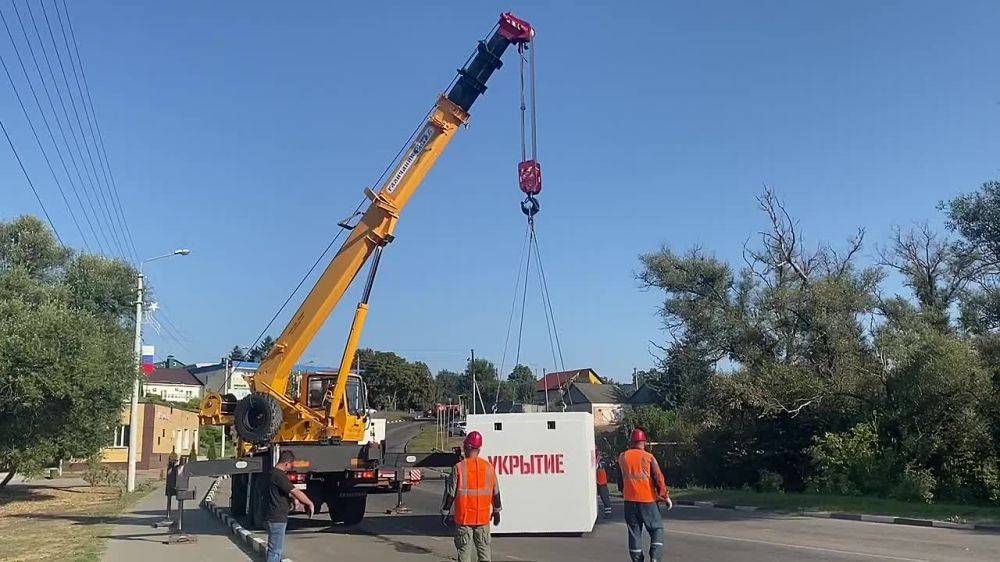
215, 381
173, 392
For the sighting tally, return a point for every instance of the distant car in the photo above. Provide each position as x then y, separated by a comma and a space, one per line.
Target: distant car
456, 429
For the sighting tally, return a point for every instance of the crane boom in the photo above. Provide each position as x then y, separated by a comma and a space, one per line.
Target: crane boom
366, 239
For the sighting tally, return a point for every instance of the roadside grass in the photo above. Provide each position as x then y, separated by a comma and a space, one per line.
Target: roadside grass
794, 503
49, 523
393, 415
428, 440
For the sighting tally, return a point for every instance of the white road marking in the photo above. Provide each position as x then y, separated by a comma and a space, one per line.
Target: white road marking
798, 546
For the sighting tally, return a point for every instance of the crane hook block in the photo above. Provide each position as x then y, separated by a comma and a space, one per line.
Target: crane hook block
515, 29
529, 175
530, 206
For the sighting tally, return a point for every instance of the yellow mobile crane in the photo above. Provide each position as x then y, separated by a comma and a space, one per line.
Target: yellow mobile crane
326, 423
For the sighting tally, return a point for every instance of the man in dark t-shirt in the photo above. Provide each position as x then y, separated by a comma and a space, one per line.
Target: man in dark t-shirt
277, 504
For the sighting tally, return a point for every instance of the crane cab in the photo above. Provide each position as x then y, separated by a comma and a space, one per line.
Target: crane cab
315, 386
315, 390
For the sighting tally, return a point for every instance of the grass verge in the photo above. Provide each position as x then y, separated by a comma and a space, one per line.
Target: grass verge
793, 503
428, 440
46, 522
393, 415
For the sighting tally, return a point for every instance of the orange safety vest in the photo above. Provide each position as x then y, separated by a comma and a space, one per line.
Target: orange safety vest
637, 476
476, 485
602, 476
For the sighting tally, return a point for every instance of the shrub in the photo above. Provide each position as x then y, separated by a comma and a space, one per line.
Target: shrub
915, 485
657, 422
99, 474
850, 463
769, 481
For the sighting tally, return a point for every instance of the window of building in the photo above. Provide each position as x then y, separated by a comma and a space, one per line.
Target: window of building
121, 436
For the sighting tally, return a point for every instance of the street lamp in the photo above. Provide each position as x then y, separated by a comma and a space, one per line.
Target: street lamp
133, 434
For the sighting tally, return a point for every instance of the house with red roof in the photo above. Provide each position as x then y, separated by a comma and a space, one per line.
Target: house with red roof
552, 385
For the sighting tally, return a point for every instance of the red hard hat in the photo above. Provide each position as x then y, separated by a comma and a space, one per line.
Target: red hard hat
474, 440
638, 435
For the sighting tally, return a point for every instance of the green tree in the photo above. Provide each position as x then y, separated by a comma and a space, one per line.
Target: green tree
65, 347
237, 354
975, 217
447, 387
260, 351
490, 390
395, 383
523, 384
788, 325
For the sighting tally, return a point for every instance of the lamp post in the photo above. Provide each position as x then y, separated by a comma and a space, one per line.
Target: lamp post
133, 434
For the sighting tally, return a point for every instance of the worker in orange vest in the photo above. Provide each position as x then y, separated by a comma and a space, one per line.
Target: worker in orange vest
471, 501
602, 485
642, 484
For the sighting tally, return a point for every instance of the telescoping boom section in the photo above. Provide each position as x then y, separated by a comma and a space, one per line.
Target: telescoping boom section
270, 412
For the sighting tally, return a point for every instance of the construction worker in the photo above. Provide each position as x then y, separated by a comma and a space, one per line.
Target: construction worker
279, 494
602, 485
642, 484
471, 501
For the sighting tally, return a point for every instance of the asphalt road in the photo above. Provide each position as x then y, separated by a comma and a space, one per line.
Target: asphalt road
693, 534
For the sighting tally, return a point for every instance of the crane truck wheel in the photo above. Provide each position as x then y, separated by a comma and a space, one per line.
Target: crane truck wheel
348, 510
257, 418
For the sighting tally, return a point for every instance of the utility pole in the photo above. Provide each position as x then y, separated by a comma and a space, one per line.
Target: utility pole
546, 382
635, 378
133, 417
228, 383
472, 371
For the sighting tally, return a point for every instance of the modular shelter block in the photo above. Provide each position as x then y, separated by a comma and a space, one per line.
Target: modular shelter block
546, 466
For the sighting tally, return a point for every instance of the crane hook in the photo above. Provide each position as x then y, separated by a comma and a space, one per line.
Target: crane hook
530, 206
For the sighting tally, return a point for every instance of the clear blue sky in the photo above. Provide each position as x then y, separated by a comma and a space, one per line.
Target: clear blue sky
246, 130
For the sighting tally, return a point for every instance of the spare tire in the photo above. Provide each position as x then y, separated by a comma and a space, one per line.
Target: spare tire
257, 418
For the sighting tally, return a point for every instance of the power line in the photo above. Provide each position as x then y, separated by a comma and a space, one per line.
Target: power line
69, 90
48, 95
30, 184
96, 125
41, 148
38, 104
115, 237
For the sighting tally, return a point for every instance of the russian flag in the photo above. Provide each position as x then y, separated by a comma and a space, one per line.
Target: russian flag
148, 353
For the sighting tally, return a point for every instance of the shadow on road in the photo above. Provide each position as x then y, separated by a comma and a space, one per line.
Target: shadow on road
376, 524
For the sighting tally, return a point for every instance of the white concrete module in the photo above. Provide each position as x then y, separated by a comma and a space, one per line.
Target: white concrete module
545, 463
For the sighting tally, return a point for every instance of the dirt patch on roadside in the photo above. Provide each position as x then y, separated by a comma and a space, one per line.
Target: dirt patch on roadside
45, 522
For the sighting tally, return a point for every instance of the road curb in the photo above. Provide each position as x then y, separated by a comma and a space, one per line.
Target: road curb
242, 535
887, 519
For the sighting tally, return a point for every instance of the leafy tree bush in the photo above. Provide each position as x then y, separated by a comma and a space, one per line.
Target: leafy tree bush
914, 485
850, 463
65, 347
768, 481
99, 474
796, 364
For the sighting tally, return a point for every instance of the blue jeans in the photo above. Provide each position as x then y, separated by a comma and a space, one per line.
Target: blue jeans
275, 541
637, 516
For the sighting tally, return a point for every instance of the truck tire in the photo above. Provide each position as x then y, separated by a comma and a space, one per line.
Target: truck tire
238, 495
258, 491
257, 418
347, 511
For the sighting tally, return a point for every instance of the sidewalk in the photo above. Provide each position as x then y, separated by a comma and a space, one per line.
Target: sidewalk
133, 537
